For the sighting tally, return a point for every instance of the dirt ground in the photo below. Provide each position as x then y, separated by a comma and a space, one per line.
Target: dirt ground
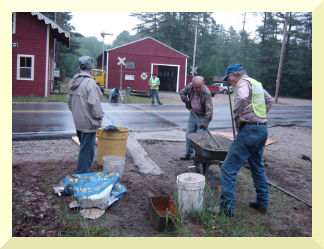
39, 165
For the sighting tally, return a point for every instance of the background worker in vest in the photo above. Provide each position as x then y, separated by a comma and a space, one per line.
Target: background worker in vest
114, 95
154, 83
251, 103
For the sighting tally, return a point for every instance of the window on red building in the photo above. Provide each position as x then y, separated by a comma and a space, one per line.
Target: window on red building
25, 67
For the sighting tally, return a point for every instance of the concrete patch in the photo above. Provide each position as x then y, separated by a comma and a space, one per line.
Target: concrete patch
141, 158
173, 135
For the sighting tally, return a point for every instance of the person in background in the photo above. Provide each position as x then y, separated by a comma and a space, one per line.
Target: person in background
251, 104
154, 83
114, 95
197, 98
84, 101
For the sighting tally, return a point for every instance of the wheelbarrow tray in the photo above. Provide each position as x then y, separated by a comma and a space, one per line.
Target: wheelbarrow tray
206, 153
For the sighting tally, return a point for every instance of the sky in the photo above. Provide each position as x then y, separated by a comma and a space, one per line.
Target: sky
94, 23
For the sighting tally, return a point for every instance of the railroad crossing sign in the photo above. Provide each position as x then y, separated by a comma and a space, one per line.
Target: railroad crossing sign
121, 61
193, 70
143, 76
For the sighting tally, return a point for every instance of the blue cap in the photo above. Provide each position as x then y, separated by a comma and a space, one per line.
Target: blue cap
232, 68
86, 61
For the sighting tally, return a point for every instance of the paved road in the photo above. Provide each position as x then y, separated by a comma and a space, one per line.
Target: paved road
55, 119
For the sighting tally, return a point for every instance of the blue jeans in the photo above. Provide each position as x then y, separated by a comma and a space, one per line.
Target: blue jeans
193, 127
87, 151
156, 93
247, 145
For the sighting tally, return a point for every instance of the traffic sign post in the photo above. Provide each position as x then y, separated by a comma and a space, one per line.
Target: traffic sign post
121, 63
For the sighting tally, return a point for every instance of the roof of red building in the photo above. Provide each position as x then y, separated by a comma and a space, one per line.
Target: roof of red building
146, 39
59, 32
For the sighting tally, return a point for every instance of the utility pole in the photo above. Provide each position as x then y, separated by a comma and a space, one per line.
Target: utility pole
103, 49
242, 39
193, 71
282, 55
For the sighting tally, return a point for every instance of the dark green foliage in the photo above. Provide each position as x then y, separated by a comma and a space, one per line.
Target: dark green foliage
218, 47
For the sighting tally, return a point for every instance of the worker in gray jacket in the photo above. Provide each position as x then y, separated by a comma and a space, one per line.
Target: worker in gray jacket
197, 98
84, 101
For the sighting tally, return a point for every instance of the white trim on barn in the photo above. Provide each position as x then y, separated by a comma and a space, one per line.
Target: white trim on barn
186, 72
169, 65
14, 22
145, 39
53, 24
106, 83
47, 59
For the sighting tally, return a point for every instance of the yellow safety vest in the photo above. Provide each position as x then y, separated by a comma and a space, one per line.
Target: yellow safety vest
257, 100
153, 82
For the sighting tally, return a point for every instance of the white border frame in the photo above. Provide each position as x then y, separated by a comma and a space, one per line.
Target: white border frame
18, 66
169, 65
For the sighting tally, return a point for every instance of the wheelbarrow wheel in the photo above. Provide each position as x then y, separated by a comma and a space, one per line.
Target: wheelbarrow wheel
201, 168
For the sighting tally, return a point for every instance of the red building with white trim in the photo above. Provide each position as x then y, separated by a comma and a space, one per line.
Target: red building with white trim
33, 44
143, 58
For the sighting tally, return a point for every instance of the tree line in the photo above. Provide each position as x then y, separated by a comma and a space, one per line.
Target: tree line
218, 47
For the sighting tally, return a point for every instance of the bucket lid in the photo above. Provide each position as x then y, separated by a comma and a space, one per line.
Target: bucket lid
191, 180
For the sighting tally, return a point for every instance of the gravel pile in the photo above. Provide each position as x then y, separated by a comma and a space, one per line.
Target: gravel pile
44, 151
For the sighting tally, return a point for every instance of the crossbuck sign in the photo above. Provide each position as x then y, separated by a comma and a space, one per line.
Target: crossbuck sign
121, 61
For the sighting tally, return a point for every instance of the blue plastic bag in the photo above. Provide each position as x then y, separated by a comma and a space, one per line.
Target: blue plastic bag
96, 189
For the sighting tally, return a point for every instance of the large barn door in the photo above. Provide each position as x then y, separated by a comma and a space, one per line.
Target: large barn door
168, 78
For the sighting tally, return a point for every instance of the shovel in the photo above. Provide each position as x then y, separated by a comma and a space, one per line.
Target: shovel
195, 115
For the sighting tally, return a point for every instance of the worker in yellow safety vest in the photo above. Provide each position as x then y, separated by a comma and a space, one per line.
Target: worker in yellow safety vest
154, 83
251, 104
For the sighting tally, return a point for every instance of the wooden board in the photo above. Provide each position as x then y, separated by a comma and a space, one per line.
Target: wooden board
229, 135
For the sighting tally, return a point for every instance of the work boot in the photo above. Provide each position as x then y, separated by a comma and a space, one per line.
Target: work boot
256, 206
186, 157
160, 103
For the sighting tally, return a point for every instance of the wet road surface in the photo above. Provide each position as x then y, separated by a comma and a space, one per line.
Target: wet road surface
55, 118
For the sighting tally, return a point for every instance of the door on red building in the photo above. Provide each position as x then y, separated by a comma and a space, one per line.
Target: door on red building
168, 78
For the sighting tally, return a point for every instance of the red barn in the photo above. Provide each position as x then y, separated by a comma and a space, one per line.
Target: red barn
143, 58
33, 44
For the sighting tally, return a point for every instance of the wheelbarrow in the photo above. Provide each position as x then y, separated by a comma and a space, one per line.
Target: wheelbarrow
206, 155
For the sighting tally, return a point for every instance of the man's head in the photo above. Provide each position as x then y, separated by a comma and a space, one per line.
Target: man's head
86, 63
117, 90
197, 83
154, 75
233, 73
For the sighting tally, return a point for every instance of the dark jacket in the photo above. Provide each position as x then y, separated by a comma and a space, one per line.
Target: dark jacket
206, 100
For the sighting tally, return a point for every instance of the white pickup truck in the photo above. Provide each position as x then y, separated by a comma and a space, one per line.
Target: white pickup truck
223, 88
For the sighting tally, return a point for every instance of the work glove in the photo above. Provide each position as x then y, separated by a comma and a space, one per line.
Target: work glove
204, 125
188, 105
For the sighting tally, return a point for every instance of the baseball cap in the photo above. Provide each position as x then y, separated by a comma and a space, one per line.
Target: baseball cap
86, 61
232, 68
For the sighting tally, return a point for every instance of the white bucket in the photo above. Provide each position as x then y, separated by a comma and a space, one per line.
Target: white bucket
113, 163
190, 192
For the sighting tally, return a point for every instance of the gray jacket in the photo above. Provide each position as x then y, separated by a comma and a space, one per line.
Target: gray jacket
207, 104
84, 102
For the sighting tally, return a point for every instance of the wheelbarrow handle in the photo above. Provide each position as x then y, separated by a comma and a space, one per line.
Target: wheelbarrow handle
195, 115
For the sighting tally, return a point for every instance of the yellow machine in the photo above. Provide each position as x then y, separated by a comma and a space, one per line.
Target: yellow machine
99, 77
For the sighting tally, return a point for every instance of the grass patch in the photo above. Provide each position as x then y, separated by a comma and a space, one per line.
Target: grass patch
33, 98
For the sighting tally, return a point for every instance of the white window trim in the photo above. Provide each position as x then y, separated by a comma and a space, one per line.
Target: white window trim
14, 23
18, 66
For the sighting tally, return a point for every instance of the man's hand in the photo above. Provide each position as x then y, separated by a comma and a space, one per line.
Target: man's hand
204, 125
188, 105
